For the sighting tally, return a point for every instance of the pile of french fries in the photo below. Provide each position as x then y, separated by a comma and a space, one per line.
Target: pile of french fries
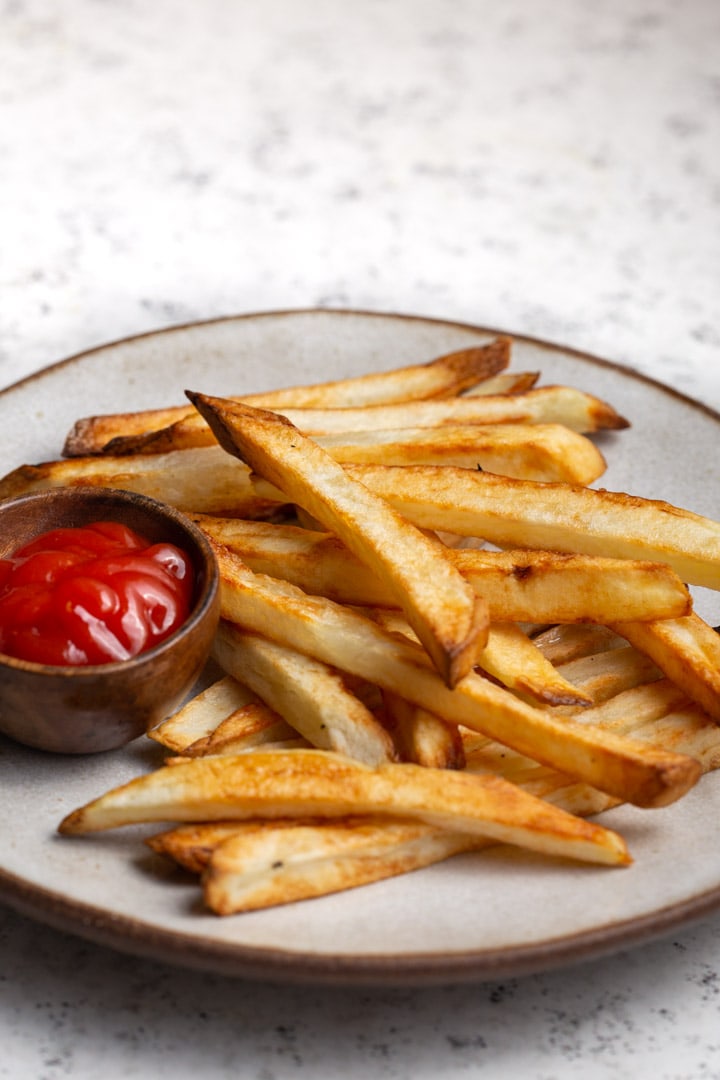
436, 635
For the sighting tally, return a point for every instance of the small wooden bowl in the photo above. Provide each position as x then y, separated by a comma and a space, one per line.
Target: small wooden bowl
87, 709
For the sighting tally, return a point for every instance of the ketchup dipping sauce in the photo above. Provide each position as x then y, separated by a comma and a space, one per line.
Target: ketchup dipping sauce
91, 595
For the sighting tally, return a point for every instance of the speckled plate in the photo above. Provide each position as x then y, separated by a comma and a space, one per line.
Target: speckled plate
473, 917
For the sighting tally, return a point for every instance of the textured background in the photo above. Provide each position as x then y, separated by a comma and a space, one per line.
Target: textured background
550, 168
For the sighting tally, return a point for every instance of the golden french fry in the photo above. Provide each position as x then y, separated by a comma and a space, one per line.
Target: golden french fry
420, 736
510, 382
252, 726
445, 612
556, 517
687, 650
561, 644
307, 693
517, 585
206, 480
448, 374
316, 782
564, 405
279, 865
199, 717
548, 452
606, 674
511, 658
658, 712
514, 660
191, 846
347, 640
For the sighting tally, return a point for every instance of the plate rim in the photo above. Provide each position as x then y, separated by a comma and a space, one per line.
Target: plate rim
274, 313
192, 950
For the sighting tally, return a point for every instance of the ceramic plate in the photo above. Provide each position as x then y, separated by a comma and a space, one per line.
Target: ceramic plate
473, 917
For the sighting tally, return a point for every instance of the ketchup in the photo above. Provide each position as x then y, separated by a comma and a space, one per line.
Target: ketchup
91, 595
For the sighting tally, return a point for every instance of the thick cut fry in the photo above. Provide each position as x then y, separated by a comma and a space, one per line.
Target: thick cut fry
445, 612
511, 382
548, 452
252, 726
272, 865
315, 782
561, 644
206, 480
347, 640
201, 715
420, 736
518, 586
687, 650
511, 658
319, 863
447, 374
606, 674
308, 694
556, 517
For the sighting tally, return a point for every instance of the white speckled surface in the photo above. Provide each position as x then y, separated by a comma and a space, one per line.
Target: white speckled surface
550, 168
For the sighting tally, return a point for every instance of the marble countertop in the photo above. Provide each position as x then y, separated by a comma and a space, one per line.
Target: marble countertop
549, 169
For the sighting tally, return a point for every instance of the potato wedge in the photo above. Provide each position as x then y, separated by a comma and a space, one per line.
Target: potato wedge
316, 782
445, 612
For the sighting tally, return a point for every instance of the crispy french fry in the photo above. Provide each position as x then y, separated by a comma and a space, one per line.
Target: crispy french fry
306, 692
556, 517
687, 650
547, 452
316, 782
341, 637
517, 585
512, 659
605, 674
561, 644
252, 726
510, 382
564, 405
278, 865
445, 612
200, 716
326, 862
207, 480
420, 736
445, 375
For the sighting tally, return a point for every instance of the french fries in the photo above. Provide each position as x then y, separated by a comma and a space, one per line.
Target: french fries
200, 716
555, 517
687, 650
313, 782
518, 586
345, 639
445, 612
574, 409
395, 691
308, 694
443, 376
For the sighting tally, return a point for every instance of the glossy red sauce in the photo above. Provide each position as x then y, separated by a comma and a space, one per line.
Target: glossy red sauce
91, 595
